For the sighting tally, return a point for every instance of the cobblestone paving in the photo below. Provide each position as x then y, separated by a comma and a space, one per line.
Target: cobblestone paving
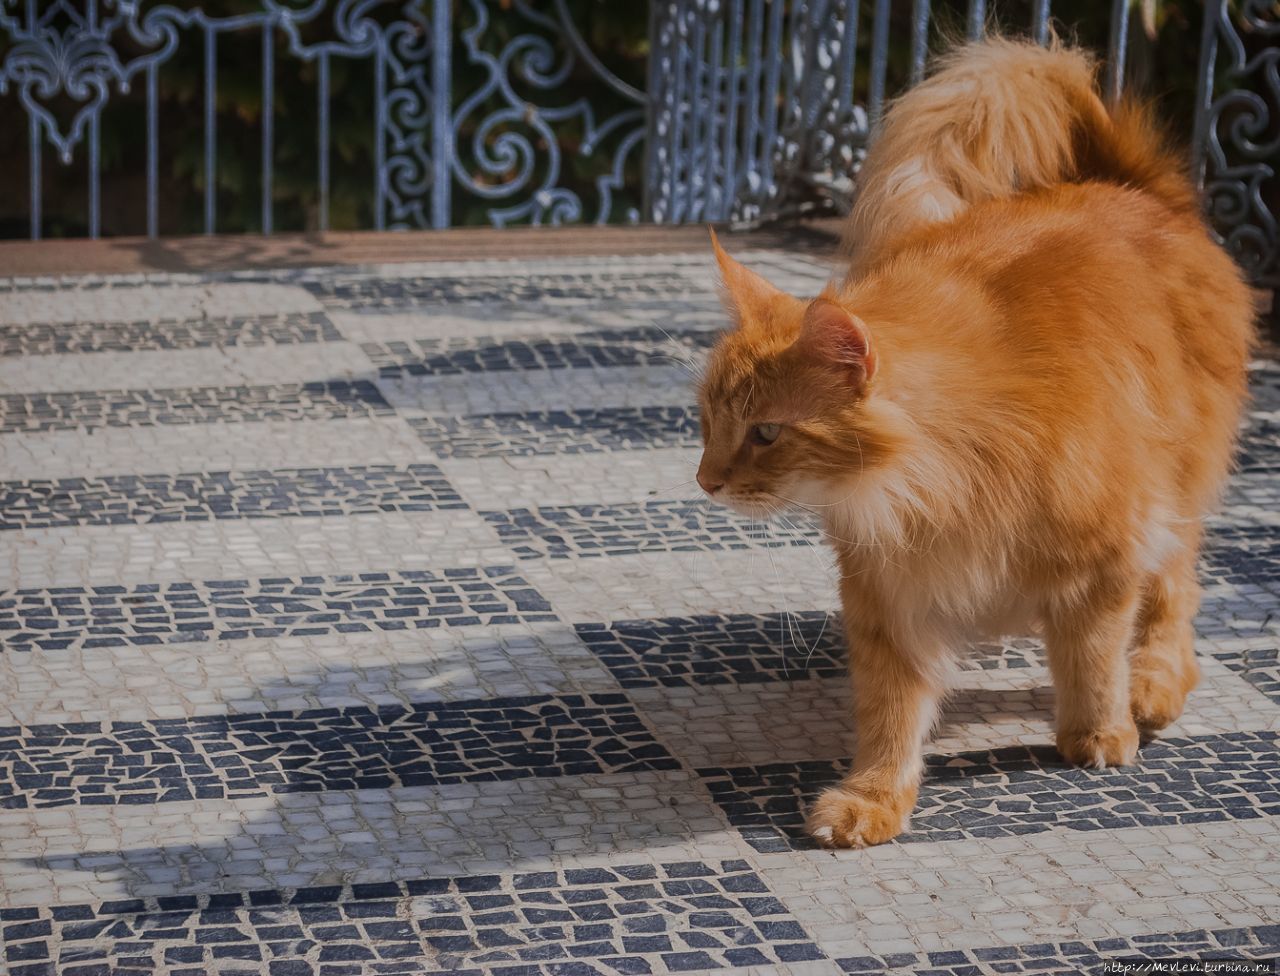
369, 622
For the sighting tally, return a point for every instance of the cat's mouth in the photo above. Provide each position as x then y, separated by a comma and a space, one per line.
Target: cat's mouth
753, 505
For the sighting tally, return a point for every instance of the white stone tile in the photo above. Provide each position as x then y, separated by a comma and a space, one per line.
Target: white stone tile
681, 584
180, 368
131, 304
254, 548
367, 836
575, 479
989, 890
186, 448
518, 391
805, 719
335, 670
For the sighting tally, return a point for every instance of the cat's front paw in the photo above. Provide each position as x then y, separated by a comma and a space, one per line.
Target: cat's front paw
843, 817
1100, 747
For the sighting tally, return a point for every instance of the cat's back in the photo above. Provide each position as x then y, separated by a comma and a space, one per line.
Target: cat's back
1092, 317
1088, 277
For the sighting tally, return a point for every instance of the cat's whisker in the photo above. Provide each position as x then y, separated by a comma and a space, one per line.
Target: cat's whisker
794, 627
663, 491
825, 532
683, 515
785, 630
682, 356
694, 375
694, 369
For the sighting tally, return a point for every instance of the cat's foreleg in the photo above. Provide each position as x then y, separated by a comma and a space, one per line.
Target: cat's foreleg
895, 697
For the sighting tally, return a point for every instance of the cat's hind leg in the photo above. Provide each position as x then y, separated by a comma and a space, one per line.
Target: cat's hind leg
1087, 643
1162, 662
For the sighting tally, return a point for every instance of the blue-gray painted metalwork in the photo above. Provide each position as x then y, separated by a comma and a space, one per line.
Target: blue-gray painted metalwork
1040, 22
1237, 132
750, 110
1117, 50
766, 128
84, 51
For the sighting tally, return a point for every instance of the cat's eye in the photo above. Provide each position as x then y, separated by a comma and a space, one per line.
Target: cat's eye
765, 434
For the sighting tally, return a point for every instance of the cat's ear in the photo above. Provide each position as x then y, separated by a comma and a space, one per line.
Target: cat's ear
835, 337
744, 291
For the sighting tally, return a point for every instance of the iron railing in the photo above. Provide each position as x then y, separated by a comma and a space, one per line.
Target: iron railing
752, 108
1236, 144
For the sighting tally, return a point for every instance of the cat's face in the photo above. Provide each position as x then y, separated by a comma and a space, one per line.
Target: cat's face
781, 399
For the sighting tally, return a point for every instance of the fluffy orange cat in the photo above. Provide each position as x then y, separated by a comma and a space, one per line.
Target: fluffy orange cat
1013, 414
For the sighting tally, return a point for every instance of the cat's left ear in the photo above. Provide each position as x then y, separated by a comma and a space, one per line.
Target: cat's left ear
835, 337
746, 294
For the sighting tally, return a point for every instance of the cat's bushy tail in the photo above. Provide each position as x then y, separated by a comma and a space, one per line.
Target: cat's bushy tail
1001, 117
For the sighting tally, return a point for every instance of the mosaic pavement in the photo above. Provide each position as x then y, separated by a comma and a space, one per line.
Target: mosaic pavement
368, 622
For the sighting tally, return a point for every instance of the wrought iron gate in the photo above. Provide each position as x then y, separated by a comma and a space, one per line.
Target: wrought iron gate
751, 110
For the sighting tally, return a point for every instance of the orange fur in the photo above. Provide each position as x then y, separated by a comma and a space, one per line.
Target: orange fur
1013, 414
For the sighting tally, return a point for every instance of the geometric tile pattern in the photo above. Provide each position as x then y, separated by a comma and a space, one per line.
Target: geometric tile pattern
558, 431
152, 613
1244, 555
1021, 790
671, 525
374, 714
737, 649
145, 408
1258, 448
257, 330
368, 293
1260, 666
323, 750
583, 350
201, 496
1258, 942
676, 918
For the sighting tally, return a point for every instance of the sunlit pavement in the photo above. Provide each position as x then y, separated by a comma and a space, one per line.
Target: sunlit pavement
368, 621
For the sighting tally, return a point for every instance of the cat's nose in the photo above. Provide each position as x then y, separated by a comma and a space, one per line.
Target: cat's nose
709, 486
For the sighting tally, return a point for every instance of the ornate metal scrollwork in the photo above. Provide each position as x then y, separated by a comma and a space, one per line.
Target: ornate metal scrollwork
1238, 133
67, 51
73, 52
513, 153
749, 108
752, 110
504, 143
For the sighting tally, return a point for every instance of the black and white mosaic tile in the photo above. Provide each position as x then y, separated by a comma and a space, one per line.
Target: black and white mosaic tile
536, 776
37, 339
1020, 790
1259, 450
745, 649
1091, 956
201, 496
637, 346
365, 293
202, 405
737, 649
331, 749
565, 531
154, 613
559, 431
627, 919
1260, 666
1244, 555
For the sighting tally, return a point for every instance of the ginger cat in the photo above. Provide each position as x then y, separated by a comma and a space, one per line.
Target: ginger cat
1013, 414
